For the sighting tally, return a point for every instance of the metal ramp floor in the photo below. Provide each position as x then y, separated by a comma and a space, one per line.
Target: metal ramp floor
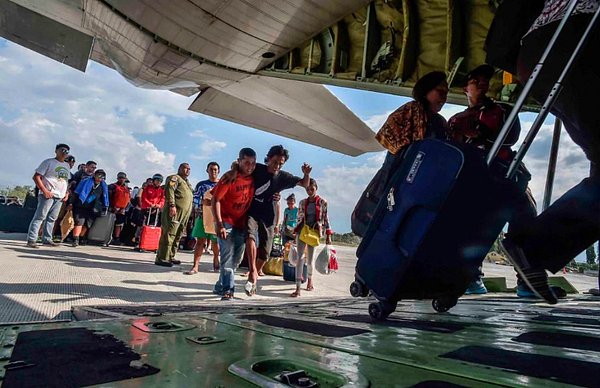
484, 341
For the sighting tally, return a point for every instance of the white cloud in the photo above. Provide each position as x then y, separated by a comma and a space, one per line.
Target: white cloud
572, 165
197, 133
376, 121
97, 113
208, 147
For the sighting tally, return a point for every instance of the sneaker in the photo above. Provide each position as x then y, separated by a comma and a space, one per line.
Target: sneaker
476, 288
32, 244
250, 288
75, 243
524, 292
51, 243
227, 296
175, 262
163, 263
535, 278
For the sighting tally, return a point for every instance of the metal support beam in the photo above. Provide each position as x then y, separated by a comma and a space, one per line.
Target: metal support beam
552, 164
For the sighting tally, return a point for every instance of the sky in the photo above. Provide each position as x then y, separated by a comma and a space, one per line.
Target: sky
143, 132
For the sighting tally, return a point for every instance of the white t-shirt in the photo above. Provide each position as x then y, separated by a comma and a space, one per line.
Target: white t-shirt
55, 176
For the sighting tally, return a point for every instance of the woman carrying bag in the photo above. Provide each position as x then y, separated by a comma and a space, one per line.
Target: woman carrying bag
312, 222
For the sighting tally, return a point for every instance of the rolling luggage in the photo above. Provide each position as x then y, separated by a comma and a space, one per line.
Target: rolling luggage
289, 272
443, 210
102, 229
150, 236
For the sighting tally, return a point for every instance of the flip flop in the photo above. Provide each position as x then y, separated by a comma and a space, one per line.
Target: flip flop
295, 294
190, 272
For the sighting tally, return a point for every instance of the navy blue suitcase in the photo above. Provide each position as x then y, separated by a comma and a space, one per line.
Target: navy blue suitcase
289, 272
443, 210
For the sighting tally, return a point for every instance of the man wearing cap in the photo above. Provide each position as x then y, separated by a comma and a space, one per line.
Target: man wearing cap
479, 125
91, 199
176, 212
70, 160
119, 196
51, 178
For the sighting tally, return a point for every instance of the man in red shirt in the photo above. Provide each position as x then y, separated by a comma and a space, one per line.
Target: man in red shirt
230, 202
119, 196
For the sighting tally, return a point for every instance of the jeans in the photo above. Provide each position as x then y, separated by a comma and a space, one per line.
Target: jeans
47, 210
572, 223
231, 251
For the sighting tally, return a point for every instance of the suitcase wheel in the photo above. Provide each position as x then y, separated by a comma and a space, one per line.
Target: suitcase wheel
381, 310
441, 305
358, 289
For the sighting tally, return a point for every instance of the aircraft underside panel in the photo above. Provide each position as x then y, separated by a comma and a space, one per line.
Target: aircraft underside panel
44, 35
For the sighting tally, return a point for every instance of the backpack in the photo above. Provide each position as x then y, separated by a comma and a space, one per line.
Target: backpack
367, 203
512, 20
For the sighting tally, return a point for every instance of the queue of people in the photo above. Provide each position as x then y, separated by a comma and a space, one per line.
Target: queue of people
236, 214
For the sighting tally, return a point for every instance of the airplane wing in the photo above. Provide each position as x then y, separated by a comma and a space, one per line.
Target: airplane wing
212, 45
294, 109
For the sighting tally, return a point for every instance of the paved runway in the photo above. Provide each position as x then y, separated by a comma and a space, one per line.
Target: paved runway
44, 284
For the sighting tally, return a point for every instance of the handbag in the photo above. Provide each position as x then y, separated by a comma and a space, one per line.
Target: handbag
310, 236
274, 266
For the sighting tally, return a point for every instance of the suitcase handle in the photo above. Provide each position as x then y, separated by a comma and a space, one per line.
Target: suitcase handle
533, 131
150, 215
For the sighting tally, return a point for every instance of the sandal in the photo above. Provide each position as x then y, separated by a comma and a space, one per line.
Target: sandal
310, 288
190, 272
295, 294
261, 273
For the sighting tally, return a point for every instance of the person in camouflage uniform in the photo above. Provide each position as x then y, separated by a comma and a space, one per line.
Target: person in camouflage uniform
176, 212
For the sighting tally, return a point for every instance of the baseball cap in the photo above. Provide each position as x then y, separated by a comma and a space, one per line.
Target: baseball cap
100, 172
484, 70
157, 176
70, 158
121, 175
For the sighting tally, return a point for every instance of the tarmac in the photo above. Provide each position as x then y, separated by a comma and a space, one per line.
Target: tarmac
45, 284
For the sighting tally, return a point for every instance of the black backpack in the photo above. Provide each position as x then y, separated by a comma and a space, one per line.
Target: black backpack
512, 20
376, 189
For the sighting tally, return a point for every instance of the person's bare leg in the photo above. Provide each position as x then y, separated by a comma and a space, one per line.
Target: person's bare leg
251, 249
198, 251
118, 231
215, 249
260, 263
77, 231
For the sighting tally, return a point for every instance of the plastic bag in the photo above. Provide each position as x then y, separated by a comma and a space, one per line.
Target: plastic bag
326, 262
293, 255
